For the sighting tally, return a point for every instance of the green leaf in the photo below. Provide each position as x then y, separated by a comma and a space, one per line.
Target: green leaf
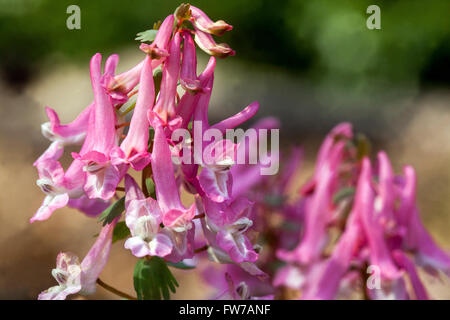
153, 280
343, 193
113, 211
146, 36
180, 265
274, 200
157, 79
150, 184
120, 232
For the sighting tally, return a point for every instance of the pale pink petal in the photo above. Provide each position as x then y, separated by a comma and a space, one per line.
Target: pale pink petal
237, 245
138, 247
50, 204
90, 207
97, 257
216, 184
160, 246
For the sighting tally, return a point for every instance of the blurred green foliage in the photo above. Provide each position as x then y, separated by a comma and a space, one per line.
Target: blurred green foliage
325, 39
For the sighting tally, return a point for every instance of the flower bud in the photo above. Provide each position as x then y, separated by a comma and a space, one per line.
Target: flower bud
202, 22
206, 42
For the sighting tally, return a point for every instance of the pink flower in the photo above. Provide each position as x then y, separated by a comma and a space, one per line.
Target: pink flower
119, 86
75, 277
165, 105
206, 42
417, 238
374, 231
143, 218
215, 178
133, 149
74, 132
229, 222
59, 186
202, 22
188, 72
318, 206
101, 176
175, 217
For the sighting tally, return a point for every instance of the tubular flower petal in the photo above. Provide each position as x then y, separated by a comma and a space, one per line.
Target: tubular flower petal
165, 105
202, 22
101, 176
206, 42
75, 277
143, 218
133, 149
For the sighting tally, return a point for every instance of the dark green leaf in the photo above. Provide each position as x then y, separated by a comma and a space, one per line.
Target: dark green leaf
274, 200
153, 279
343, 193
157, 78
113, 211
150, 187
120, 232
180, 265
146, 36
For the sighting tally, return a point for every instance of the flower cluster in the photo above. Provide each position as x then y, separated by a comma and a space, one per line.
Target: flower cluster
159, 224
351, 215
353, 231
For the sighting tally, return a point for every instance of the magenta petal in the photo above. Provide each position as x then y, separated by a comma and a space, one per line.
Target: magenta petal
237, 119
167, 192
404, 262
97, 257
204, 23
427, 252
132, 190
206, 42
104, 119
216, 184
102, 184
90, 207
111, 64
364, 205
53, 153
72, 133
136, 142
165, 32
188, 72
179, 220
165, 106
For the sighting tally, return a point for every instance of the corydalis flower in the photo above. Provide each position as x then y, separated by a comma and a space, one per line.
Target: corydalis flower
175, 217
206, 42
228, 224
74, 132
202, 22
101, 176
318, 204
215, 178
133, 149
382, 229
165, 105
143, 218
75, 277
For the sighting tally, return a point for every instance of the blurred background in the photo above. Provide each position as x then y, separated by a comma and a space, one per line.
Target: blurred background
313, 64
